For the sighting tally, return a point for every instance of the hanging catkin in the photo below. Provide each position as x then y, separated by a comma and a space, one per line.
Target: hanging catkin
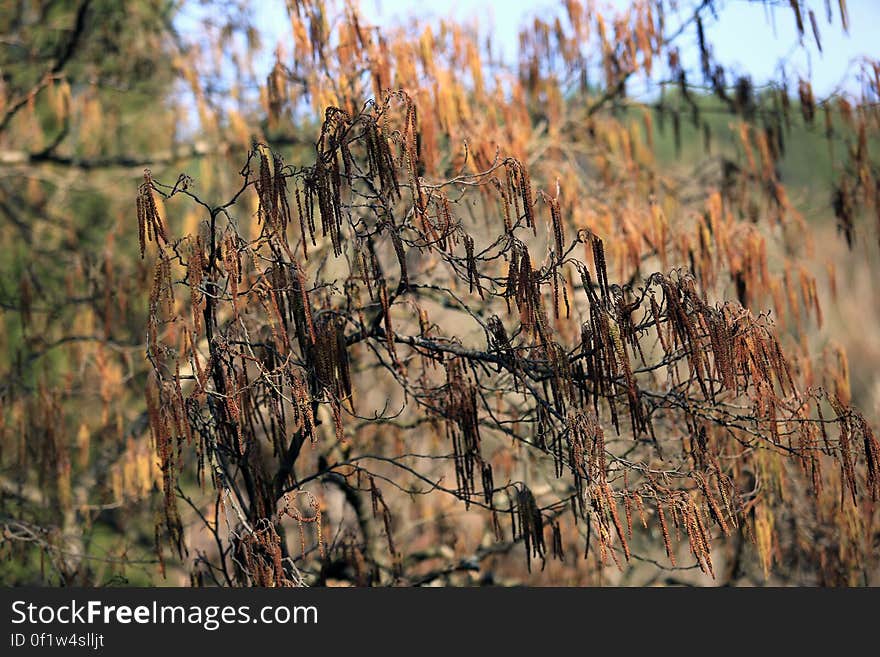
150, 226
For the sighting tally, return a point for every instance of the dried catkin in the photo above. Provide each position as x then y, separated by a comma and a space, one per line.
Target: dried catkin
401, 255
531, 525
472, 272
150, 224
664, 527
618, 527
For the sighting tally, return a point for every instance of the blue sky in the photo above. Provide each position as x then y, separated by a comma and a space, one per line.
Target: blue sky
744, 35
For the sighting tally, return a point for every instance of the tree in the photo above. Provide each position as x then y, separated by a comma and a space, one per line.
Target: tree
397, 320
474, 320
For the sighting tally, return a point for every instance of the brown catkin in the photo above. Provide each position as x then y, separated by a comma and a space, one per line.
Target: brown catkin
472, 272
618, 527
150, 224
397, 243
528, 203
664, 527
